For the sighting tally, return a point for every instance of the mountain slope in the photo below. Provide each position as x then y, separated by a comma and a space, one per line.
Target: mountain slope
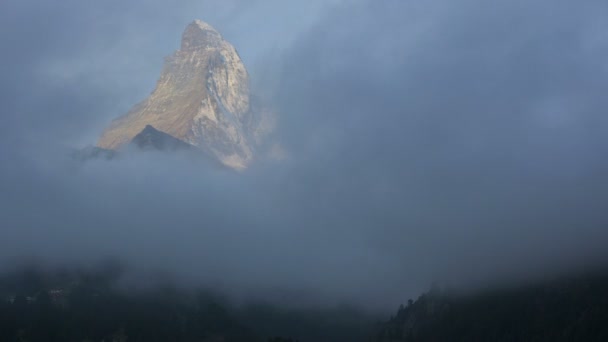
201, 98
152, 139
93, 152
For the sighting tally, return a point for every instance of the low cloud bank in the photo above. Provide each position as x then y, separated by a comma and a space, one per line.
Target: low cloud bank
457, 142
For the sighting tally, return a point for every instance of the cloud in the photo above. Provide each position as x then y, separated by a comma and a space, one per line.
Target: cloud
461, 142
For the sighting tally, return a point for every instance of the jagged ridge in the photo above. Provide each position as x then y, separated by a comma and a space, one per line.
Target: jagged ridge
201, 98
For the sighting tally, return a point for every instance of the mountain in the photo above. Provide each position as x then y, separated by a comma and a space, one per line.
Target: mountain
149, 139
202, 98
152, 139
93, 152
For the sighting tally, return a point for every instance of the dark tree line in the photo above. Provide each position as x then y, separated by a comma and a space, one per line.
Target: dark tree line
88, 306
574, 309
88, 315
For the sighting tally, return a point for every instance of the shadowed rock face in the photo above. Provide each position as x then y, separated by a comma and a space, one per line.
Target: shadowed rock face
201, 98
152, 139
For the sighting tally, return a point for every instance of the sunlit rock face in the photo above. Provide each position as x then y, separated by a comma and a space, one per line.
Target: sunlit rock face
201, 98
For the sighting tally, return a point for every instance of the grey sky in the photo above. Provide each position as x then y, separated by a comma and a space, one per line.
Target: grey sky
438, 140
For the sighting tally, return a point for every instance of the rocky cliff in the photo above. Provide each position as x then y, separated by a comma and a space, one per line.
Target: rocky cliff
201, 98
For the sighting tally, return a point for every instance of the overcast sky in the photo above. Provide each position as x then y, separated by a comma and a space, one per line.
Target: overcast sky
458, 141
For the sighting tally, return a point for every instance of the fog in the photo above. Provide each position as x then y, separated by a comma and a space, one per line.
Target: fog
460, 142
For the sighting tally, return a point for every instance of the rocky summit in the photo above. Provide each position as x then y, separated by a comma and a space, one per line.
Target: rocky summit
202, 98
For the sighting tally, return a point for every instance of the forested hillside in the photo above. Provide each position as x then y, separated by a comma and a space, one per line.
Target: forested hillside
573, 309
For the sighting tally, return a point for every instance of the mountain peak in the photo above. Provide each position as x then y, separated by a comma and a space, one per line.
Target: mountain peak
202, 98
149, 129
198, 35
204, 26
152, 139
